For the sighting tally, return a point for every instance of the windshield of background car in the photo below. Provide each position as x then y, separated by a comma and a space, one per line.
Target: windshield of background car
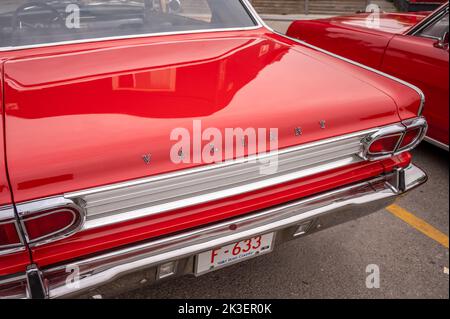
24, 23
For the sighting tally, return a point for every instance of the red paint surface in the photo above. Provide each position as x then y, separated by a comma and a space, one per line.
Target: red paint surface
97, 111
417, 61
16, 262
5, 195
350, 37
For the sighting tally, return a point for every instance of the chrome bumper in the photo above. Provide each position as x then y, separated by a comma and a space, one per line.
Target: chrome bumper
129, 268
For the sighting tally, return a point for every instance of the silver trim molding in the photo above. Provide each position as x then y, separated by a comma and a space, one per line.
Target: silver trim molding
145, 197
436, 143
39, 208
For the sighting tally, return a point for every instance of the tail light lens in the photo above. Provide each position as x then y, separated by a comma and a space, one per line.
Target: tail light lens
394, 139
9, 236
51, 220
385, 145
47, 224
59, 219
410, 137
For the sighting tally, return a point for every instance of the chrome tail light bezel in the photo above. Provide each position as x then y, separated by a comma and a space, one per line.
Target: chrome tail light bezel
41, 208
396, 129
419, 123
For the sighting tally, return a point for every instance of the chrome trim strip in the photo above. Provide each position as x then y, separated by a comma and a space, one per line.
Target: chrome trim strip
347, 203
411, 86
245, 3
7, 213
412, 124
436, 143
145, 197
14, 287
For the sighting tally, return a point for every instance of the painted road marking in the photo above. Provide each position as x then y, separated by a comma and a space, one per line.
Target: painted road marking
419, 224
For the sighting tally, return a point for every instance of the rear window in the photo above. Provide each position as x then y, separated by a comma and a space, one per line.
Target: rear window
24, 23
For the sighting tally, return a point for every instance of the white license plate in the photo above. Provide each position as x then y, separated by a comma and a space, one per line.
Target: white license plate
233, 253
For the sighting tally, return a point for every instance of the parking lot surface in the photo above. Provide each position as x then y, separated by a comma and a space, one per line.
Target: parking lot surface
332, 263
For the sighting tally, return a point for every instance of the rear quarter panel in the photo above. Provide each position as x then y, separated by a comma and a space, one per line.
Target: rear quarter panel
5, 196
9, 264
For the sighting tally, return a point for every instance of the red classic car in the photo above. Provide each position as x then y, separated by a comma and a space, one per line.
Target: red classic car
410, 46
121, 127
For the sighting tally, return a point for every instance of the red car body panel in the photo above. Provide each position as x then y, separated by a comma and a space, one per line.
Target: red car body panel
350, 37
430, 73
16, 262
90, 111
5, 194
390, 49
103, 112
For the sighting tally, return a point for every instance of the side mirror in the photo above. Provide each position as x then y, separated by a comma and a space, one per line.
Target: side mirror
443, 42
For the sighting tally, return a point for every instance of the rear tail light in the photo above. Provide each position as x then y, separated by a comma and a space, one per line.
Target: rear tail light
410, 137
9, 236
50, 223
385, 144
394, 139
37, 225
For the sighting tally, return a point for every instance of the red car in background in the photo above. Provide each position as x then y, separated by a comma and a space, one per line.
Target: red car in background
411, 46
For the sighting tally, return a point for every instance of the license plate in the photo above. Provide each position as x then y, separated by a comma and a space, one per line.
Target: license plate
233, 253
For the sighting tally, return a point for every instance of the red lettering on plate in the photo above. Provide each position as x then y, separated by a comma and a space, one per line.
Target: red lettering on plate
213, 255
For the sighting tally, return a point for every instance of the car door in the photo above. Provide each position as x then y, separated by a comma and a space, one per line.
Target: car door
421, 58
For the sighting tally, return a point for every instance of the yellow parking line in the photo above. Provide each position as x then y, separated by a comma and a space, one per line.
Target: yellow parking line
419, 224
